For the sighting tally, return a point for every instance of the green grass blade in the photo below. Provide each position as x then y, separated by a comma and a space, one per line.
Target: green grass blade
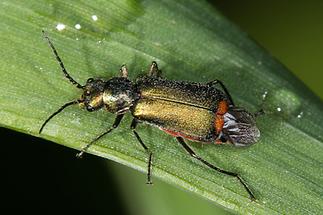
191, 41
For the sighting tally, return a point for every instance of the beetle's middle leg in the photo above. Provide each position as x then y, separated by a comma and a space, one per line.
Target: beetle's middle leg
153, 70
114, 126
133, 128
233, 174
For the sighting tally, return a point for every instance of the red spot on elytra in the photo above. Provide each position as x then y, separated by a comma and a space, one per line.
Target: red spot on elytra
219, 120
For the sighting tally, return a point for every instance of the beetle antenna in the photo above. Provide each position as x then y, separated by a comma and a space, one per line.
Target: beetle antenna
57, 112
51, 45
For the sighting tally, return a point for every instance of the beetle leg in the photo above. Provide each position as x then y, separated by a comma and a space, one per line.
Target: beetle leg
133, 127
154, 71
124, 71
233, 174
114, 126
215, 82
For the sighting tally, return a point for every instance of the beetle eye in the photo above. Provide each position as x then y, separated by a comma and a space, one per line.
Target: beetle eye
90, 80
87, 93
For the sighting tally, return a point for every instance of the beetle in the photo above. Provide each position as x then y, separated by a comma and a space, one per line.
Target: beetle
186, 110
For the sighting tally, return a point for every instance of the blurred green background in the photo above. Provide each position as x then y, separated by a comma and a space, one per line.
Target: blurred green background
46, 177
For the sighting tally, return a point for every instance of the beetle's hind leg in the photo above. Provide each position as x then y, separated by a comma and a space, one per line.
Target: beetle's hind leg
154, 71
233, 174
133, 128
215, 82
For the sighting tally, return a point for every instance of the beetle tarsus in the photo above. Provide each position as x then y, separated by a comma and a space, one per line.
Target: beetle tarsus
80, 154
124, 71
154, 71
149, 165
251, 195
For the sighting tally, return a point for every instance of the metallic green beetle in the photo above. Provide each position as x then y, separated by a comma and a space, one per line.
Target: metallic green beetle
185, 110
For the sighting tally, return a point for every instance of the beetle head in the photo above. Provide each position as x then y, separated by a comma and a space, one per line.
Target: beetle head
92, 97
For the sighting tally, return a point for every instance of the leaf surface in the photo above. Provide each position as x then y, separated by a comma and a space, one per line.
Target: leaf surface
191, 41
